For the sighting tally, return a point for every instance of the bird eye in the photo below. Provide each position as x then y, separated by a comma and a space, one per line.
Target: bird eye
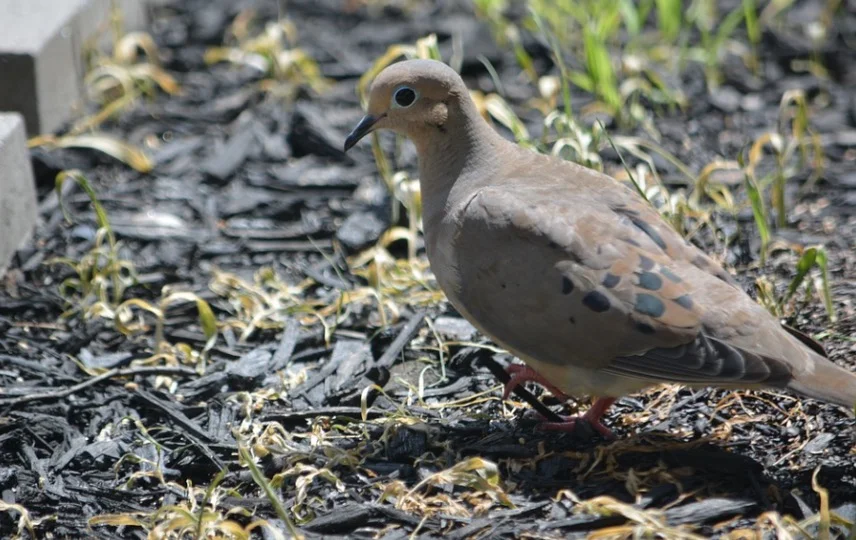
404, 96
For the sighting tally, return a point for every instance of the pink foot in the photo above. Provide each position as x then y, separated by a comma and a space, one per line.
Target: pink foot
521, 374
591, 417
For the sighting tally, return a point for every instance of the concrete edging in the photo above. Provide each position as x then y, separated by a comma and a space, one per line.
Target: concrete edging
18, 207
41, 47
41, 85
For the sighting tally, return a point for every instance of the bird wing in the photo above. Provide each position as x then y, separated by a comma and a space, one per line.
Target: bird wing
593, 278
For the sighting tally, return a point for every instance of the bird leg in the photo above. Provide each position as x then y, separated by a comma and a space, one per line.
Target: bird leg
591, 417
523, 373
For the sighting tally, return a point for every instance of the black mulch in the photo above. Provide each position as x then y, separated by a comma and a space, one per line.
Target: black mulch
244, 180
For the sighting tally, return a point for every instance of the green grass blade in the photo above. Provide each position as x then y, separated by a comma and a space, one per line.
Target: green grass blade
727, 27
632, 16
623, 163
599, 66
750, 14
564, 74
760, 214
264, 484
804, 265
669, 17
100, 214
823, 264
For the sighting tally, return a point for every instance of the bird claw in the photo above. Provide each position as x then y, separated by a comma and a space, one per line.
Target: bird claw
570, 424
523, 373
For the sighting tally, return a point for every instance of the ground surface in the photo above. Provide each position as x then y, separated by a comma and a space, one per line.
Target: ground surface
245, 181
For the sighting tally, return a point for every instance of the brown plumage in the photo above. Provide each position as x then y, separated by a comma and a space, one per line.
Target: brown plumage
570, 269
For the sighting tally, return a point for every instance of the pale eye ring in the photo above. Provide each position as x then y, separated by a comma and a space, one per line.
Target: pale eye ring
404, 96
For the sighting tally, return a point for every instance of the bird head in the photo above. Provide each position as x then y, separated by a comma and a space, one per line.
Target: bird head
410, 97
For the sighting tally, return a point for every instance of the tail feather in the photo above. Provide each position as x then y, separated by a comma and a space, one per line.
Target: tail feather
826, 381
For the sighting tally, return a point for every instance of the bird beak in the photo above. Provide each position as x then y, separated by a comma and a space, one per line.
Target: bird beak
363, 128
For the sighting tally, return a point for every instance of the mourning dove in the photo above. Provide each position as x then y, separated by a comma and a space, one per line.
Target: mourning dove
571, 270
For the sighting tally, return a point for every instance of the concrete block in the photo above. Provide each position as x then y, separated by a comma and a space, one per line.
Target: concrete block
41, 53
39, 74
18, 209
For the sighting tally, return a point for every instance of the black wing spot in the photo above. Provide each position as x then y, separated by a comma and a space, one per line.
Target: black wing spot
650, 281
596, 301
610, 280
652, 233
650, 305
684, 301
567, 285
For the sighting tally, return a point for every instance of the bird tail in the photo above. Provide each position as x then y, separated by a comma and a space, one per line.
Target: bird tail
827, 382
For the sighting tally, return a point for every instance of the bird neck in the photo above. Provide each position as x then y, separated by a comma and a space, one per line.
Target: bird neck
457, 158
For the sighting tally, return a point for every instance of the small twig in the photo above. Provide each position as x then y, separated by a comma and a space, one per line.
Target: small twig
125, 372
288, 417
401, 340
177, 416
624, 164
190, 429
282, 355
485, 358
